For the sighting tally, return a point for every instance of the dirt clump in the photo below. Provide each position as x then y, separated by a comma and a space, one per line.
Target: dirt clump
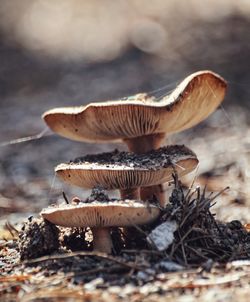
37, 238
98, 194
75, 239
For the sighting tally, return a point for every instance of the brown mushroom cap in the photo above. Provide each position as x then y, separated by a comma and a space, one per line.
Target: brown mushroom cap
122, 175
192, 101
102, 214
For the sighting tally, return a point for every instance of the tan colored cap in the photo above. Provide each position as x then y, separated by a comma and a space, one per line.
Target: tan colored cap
152, 168
192, 101
102, 214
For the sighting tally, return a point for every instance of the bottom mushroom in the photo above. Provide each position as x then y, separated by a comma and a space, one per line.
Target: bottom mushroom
100, 216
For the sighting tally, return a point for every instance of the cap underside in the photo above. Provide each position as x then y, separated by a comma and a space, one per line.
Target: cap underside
191, 102
109, 178
101, 214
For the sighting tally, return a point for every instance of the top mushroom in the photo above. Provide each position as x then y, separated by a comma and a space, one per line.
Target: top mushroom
194, 99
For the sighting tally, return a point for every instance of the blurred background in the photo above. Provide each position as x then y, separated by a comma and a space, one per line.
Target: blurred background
60, 52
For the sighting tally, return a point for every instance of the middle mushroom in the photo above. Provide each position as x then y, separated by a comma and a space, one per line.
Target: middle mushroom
128, 171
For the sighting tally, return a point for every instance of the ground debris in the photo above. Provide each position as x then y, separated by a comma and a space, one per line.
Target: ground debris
187, 232
74, 239
186, 241
169, 266
98, 194
199, 236
163, 235
38, 237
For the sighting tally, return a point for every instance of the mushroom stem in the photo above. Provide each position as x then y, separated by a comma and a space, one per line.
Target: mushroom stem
156, 191
145, 144
132, 194
102, 240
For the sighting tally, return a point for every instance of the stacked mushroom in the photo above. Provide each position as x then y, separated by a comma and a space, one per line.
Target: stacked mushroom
117, 170
141, 122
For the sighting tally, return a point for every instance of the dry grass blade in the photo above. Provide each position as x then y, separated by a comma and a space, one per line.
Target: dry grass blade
59, 294
200, 283
15, 278
117, 260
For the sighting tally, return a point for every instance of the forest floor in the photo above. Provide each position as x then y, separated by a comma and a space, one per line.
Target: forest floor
27, 185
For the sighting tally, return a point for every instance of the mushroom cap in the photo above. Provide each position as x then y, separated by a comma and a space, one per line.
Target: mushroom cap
122, 175
194, 99
102, 214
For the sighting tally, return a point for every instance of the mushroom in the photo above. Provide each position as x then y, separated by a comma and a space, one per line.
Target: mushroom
128, 171
142, 121
100, 216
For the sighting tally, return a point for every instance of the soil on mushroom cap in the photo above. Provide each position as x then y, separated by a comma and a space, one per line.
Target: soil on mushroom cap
98, 195
152, 160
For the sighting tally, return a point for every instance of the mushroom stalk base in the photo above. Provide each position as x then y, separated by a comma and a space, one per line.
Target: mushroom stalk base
153, 192
144, 144
132, 194
102, 240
